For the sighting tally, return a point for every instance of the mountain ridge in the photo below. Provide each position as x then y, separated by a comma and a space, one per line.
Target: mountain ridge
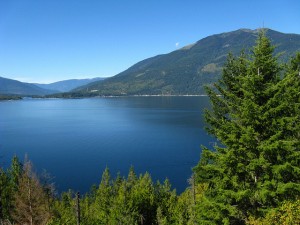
181, 72
186, 70
15, 87
68, 85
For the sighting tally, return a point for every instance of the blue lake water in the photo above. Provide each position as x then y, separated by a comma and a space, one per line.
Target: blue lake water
74, 140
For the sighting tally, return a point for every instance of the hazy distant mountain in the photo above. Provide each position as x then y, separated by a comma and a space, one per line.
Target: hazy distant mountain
14, 87
186, 70
68, 85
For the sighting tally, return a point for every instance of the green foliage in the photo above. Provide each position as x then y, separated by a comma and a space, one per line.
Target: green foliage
63, 210
255, 116
287, 214
4, 195
23, 199
131, 200
9, 181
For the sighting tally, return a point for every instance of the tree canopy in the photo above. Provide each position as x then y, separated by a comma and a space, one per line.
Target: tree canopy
255, 117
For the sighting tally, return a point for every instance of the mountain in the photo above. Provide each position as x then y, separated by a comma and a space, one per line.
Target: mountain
14, 87
68, 85
186, 70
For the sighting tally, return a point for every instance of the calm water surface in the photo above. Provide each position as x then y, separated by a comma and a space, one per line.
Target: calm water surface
74, 140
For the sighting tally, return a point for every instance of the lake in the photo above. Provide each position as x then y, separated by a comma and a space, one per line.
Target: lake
75, 139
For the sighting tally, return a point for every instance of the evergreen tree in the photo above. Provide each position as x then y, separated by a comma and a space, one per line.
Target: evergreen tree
15, 172
122, 211
64, 210
8, 187
166, 200
103, 199
30, 202
255, 117
143, 199
287, 214
4, 196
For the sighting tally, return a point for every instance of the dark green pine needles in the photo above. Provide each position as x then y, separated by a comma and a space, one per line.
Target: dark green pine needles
255, 116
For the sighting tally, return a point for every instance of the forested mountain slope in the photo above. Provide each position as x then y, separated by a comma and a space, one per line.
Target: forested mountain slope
186, 70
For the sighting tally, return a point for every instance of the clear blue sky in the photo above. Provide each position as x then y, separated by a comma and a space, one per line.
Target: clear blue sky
50, 40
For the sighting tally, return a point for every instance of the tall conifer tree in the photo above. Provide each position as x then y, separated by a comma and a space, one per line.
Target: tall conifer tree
30, 205
255, 117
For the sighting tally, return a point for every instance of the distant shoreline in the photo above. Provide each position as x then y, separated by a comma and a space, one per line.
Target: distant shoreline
122, 96
115, 96
83, 97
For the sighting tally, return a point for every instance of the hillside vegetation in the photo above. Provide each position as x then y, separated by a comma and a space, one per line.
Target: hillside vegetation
187, 70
